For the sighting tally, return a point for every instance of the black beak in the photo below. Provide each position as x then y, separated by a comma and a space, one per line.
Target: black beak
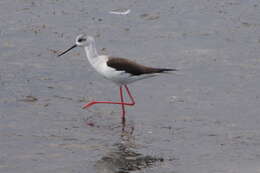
72, 47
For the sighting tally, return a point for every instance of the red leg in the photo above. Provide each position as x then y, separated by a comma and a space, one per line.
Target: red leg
109, 102
131, 97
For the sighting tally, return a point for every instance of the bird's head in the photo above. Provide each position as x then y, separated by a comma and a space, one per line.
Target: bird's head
82, 40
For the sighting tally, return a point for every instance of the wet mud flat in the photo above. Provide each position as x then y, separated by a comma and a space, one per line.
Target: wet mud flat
204, 118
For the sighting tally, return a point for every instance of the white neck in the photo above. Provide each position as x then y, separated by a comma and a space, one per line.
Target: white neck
91, 49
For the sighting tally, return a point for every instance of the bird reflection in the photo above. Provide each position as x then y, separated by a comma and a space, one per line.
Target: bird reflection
121, 157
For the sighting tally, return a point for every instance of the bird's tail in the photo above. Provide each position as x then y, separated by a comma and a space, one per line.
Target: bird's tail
163, 70
150, 70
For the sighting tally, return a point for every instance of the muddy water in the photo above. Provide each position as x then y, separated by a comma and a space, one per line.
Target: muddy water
205, 118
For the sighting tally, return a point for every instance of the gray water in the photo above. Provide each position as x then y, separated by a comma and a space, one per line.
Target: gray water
204, 118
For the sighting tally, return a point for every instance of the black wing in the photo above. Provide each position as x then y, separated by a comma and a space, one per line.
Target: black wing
121, 64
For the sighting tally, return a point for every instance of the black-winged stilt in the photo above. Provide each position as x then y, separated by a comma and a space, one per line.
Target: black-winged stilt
119, 70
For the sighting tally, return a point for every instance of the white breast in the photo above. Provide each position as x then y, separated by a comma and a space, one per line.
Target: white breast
100, 65
119, 77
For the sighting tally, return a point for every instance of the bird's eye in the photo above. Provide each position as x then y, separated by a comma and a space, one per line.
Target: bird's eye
81, 39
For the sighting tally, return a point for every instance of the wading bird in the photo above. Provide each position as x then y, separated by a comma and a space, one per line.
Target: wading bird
119, 70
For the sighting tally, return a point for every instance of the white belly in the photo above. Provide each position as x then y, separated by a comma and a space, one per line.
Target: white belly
119, 77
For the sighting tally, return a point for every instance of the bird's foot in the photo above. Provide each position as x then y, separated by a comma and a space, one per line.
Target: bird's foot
88, 105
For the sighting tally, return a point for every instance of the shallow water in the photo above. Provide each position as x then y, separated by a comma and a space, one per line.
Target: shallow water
204, 118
